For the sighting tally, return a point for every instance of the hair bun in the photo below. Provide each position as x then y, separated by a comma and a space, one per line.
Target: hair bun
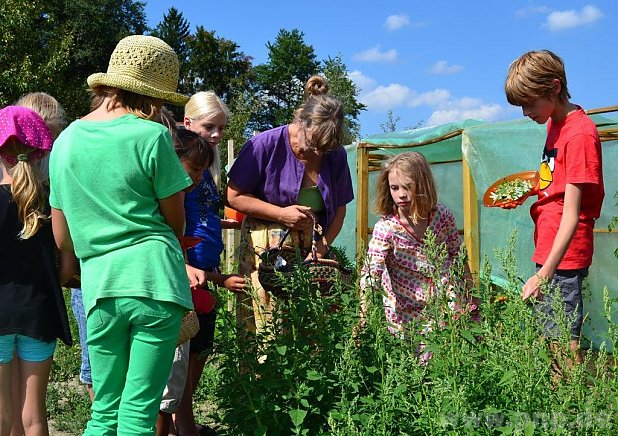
316, 85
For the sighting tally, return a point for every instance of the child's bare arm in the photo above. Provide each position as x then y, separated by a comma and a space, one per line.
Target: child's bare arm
231, 282
62, 236
566, 230
68, 262
173, 211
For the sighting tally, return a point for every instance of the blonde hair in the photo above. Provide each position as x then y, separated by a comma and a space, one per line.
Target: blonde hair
142, 106
48, 108
206, 104
414, 169
323, 114
27, 190
54, 116
531, 77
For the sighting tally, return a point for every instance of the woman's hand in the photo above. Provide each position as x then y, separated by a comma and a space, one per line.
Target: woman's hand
296, 217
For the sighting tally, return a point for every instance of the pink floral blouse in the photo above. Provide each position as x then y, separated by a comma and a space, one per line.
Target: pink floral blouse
395, 259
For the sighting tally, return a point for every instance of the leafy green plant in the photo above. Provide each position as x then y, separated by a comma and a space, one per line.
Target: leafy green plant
510, 190
314, 371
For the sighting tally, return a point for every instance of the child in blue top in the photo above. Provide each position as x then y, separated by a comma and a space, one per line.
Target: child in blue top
206, 115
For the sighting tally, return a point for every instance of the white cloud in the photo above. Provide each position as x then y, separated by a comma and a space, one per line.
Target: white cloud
531, 10
363, 82
437, 97
394, 22
443, 68
443, 106
561, 20
375, 55
485, 112
388, 97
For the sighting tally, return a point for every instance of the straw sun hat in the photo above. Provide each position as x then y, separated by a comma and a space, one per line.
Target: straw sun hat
145, 65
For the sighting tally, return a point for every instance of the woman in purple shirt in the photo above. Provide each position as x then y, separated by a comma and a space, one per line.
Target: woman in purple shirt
285, 178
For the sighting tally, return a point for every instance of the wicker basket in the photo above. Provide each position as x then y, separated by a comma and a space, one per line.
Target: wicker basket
279, 262
189, 327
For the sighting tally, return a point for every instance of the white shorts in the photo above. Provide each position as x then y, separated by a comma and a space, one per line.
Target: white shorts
175, 387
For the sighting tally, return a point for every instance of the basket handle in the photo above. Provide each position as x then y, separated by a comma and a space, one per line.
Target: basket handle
283, 238
317, 236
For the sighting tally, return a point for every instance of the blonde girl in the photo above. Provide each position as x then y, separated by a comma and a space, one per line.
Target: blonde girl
406, 198
206, 115
32, 311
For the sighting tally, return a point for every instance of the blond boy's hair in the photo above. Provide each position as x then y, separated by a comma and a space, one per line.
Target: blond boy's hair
531, 77
415, 172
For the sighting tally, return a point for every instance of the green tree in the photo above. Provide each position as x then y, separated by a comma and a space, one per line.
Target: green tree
281, 80
175, 31
31, 54
218, 65
53, 45
346, 90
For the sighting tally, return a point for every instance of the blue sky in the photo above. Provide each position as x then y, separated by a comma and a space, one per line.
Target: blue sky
430, 62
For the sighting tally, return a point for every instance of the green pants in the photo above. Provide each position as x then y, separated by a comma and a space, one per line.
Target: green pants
131, 342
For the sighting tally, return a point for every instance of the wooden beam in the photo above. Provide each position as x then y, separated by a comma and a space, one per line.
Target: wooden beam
471, 221
362, 199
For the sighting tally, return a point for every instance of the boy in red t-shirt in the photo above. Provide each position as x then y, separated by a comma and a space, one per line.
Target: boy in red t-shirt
571, 187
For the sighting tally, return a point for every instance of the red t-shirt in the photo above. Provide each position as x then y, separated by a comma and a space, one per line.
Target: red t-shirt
572, 154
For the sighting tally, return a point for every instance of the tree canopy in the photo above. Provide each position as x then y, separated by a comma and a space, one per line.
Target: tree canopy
54, 45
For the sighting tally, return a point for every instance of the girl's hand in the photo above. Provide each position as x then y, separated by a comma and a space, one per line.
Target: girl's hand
296, 217
234, 282
197, 277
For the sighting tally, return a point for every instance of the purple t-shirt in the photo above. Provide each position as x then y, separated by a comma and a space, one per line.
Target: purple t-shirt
267, 168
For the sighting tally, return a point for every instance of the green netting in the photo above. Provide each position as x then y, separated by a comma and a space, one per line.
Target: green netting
493, 151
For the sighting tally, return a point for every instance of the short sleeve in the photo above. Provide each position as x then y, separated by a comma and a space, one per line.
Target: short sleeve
248, 168
343, 186
168, 174
582, 162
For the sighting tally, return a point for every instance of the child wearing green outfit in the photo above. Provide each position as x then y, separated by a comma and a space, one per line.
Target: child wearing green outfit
116, 186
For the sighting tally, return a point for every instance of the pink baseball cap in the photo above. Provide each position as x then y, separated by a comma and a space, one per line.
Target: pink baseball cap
28, 128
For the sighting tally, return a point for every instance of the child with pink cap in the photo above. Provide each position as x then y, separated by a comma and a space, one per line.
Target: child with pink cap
32, 310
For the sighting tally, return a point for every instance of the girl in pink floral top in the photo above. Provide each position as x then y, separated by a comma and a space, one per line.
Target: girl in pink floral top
407, 200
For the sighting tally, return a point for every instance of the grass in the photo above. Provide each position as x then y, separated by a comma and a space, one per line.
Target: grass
317, 374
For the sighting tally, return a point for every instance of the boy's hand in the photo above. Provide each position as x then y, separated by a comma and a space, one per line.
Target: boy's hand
511, 204
532, 287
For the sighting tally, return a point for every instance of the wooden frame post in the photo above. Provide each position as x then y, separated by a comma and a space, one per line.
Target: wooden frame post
471, 220
362, 199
